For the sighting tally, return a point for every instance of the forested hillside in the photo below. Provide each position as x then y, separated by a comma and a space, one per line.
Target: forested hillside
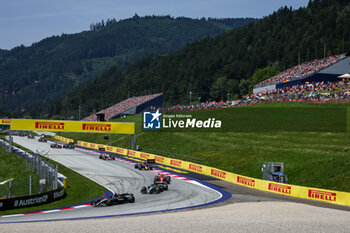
214, 68
2, 51
32, 76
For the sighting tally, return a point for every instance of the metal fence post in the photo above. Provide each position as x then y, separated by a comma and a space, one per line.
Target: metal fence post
55, 179
30, 185
9, 193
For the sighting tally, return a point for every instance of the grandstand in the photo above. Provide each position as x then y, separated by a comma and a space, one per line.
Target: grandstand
327, 69
130, 106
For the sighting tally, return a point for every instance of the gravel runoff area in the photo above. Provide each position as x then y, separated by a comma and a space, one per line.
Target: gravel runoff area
238, 217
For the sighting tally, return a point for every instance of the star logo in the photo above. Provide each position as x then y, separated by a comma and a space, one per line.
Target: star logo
156, 115
151, 120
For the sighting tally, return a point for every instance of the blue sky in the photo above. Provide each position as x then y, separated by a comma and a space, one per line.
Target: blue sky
28, 21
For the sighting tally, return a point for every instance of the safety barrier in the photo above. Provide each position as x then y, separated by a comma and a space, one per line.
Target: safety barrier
96, 146
33, 200
63, 139
330, 196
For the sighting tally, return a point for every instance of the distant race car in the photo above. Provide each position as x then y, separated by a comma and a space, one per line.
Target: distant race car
162, 178
154, 188
42, 140
106, 156
56, 146
116, 199
30, 136
143, 165
68, 146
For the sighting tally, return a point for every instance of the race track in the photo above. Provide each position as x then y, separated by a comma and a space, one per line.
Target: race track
247, 211
119, 177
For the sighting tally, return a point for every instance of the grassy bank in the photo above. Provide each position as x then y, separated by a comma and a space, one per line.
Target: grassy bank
317, 159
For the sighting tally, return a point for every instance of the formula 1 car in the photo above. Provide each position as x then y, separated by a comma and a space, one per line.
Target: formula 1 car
42, 140
116, 199
143, 165
106, 156
68, 146
163, 186
56, 146
162, 178
30, 136
154, 188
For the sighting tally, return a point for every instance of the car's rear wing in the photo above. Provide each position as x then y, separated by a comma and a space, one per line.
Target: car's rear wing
151, 161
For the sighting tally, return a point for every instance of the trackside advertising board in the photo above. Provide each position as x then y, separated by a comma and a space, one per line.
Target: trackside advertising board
96, 146
5, 121
63, 139
73, 126
329, 196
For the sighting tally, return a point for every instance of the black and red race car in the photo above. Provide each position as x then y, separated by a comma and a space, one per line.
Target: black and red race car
42, 140
143, 165
56, 146
114, 200
162, 178
106, 156
30, 136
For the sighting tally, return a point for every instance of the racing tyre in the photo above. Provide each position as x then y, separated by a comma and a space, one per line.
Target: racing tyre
109, 202
157, 191
144, 190
132, 200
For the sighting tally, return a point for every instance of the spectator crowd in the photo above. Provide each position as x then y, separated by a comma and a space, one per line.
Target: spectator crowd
308, 92
302, 71
122, 106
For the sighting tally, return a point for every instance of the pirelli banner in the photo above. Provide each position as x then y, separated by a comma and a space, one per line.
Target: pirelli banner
73, 126
5, 121
329, 196
96, 146
63, 139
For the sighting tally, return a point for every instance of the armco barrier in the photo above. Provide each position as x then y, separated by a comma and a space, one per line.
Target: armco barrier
330, 196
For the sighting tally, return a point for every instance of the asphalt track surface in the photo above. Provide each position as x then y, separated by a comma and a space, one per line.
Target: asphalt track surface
119, 177
247, 211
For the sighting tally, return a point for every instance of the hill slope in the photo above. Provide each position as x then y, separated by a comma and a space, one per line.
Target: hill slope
215, 67
31, 76
315, 159
3, 51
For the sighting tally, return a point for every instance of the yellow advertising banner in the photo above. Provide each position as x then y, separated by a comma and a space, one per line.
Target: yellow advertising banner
73, 126
330, 196
63, 139
5, 121
112, 149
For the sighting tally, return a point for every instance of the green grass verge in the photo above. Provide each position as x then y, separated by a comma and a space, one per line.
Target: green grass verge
12, 167
316, 159
79, 188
